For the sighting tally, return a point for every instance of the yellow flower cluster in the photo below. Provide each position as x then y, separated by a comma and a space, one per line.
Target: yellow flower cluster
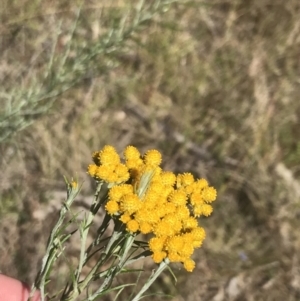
108, 166
150, 200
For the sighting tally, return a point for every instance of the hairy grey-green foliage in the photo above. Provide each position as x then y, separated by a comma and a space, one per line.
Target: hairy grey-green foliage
23, 104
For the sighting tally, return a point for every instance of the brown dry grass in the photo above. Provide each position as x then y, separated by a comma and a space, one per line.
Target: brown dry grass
214, 85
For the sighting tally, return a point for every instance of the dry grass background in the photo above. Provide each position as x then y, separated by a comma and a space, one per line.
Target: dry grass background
214, 85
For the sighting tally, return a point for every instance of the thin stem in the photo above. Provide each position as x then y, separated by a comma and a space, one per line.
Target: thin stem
52, 246
151, 279
126, 246
84, 230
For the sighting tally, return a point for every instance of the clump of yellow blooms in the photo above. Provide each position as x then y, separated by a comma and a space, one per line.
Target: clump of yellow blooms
108, 166
150, 200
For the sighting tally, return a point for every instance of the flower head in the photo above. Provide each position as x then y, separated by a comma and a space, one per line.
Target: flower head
189, 264
185, 179
108, 156
112, 207
152, 157
131, 153
209, 194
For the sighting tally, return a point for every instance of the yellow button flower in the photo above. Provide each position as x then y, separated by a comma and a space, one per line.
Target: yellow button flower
109, 156
112, 207
152, 157
159, 256
209, 194
189, 265
131, 153
132, 226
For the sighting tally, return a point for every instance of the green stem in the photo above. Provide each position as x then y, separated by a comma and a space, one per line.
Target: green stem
151, 279
52, 246
84, 233
126, 246
85, 227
